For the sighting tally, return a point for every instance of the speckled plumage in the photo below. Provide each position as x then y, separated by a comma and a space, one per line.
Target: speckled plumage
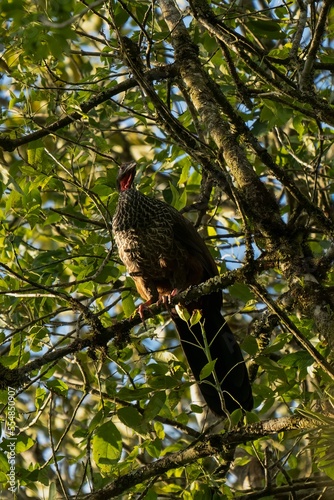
163, 253
154, 242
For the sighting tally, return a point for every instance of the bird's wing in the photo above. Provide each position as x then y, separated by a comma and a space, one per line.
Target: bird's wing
187, 236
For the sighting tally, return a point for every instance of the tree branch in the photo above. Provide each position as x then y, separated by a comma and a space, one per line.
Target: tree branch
306, 80
216, 444
284, 318
250, 188
305, 484
158, 73
203, 13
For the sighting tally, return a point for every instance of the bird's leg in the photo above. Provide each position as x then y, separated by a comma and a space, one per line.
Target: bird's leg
166, 300
162, 299
142, 307
147, 290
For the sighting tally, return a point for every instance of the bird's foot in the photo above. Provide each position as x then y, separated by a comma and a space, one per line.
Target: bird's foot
167, 299
142, 308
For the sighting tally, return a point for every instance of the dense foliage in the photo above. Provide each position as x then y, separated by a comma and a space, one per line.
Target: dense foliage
227, 108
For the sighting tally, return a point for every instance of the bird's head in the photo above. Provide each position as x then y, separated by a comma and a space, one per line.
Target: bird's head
126, 174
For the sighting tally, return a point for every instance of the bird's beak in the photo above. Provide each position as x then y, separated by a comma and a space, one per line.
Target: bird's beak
128, 167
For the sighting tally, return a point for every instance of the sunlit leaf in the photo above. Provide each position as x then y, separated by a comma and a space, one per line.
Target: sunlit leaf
107, 446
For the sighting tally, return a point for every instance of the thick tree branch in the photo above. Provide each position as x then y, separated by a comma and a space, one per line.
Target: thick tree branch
250, 188
159, 73
323, 110
305, 485
301, 23
306, 80
100, 336
284, 318
217, 444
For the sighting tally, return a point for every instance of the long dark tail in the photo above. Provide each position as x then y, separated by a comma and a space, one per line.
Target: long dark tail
230, 367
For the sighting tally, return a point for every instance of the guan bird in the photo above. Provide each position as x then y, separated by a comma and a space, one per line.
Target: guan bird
164, 254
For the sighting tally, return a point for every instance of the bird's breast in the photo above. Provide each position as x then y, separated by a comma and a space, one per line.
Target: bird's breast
138, 244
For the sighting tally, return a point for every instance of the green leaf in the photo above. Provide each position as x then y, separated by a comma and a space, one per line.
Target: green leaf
184, 174
207, 370
236, 417
40, 397
107, 446
196, 408
58, 386
35, 155
251, 417
53, 491
130, 417
128, 304
281, 53
195, 317
301, 359
9, 361
154, 448
98, 417
274, 114
266, 28
249, 344
154, 405
4, 466
134, 395
178, 201
159, 430
182, 312
241, 292
3, 478
24, 442
328, 470
163, 382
